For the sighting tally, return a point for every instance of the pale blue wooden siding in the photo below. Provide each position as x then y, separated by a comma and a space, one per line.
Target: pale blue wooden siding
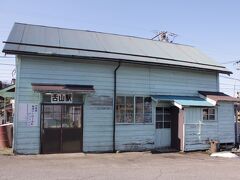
135, 137
145, 80
198, 132
131, 80
97, 132
180, 82
26, 139
226, 118
97, 121
154, 80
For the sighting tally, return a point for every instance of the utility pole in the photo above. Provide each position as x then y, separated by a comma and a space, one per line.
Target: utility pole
235, 63
238, 68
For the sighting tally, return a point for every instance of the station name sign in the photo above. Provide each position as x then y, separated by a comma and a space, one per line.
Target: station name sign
61, 98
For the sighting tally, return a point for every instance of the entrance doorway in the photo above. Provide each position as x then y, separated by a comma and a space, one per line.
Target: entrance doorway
61, 128
163, 127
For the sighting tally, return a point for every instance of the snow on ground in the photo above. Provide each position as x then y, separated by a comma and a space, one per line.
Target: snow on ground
224, 154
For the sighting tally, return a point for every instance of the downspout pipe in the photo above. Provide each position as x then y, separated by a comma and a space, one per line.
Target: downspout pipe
114, 106
236, 127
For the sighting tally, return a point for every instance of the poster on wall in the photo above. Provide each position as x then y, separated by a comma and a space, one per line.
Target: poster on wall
100, 101
28, 113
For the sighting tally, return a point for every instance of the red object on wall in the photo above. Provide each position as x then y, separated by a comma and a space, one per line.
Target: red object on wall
6, 136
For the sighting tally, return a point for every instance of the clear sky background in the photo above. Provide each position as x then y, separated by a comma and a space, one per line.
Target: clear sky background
211, 26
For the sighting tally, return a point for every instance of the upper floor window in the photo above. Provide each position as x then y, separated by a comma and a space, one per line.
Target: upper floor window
209, 114
133, 109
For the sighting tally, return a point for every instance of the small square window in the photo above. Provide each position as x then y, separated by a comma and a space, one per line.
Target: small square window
167, 124
211, 117
159, 117
205, 117
159, 110
211, 111
209, 114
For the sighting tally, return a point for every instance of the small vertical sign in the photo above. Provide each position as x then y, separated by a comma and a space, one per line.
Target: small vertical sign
32, 115
28, 113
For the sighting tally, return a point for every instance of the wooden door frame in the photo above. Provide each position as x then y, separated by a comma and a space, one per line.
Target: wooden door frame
42, 124
164, 105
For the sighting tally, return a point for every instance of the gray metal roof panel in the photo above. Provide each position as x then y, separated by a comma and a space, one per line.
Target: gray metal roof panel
199, 56
151, 48
106, 56
82, 40
16, 33
52, 40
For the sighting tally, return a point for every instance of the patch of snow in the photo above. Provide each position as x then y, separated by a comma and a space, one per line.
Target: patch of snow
224, 154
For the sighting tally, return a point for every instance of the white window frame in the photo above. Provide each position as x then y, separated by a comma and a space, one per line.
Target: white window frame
163, 116
215, 114
125, 110
134, 111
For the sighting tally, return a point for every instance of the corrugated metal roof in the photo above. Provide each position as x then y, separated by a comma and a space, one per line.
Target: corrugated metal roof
26, 38
184, 100
8, 91
218, 96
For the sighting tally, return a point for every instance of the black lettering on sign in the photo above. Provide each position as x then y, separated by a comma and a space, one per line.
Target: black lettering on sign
69, 97
61, 98
54, 97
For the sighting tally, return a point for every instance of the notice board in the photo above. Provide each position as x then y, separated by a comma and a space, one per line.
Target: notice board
28, 113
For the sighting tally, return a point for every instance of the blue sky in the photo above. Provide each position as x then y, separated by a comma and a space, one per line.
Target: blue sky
212, 26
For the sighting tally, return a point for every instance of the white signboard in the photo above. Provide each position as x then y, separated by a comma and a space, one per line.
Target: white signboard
61, 98
28, 113
32, 118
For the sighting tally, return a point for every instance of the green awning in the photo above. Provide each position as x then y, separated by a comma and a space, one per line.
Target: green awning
8, 91
183, 101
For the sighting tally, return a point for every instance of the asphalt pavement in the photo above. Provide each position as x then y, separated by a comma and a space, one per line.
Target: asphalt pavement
121, 166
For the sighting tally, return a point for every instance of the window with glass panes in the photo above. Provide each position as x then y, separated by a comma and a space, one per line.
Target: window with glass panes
163, 117
133, 109
209, 114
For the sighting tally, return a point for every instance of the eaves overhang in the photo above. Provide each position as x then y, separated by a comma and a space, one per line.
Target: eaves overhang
185, 65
